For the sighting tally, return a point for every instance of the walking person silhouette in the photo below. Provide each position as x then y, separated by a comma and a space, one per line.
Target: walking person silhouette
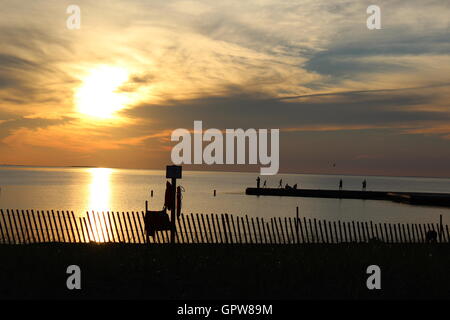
340, 184
364, 185
281, 184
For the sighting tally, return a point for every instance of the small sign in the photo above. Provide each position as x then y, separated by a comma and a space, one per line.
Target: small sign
173, 172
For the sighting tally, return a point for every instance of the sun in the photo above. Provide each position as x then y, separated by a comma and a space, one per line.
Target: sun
98, 96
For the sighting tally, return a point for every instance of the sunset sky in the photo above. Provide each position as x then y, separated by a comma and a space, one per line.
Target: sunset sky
110, 93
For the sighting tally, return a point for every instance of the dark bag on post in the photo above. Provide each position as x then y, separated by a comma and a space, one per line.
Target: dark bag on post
156, 221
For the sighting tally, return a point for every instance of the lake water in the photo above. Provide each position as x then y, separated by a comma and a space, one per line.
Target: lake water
103, 189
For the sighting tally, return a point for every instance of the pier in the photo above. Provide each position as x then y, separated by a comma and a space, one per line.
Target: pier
417, 198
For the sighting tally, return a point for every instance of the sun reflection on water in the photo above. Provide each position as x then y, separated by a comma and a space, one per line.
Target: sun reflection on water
99, 201
100, 189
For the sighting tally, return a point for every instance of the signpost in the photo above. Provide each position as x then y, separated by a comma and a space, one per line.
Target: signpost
173, 172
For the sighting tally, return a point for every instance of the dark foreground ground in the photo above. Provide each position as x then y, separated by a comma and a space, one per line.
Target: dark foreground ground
225, 272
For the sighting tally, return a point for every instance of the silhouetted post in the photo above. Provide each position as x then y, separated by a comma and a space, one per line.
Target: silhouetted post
276, 228
440, 228
360, 239
61, 226
264, 230
71, 228
174, 173
325, 229
6, 226
151, 193
14, 232
238, 230
301, 230
313, 236
228, 228
332, 239
21, 227
414, 232
180, 228
249, 230
292, 231
340, 231
199, 228
243, 228
380, 237
218, 228
214, 192
321, 233
268, 232
224, 228
190, 228
234, 229
306, 230
66, 225
254, 231
1, 229
83, 227
209, 228
45, 224
31, 227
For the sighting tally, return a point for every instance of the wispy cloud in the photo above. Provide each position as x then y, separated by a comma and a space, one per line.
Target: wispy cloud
308, 67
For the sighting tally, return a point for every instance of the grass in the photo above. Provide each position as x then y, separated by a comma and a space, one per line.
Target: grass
315, 271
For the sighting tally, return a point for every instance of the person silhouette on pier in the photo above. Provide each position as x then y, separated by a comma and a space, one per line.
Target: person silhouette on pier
340, 184
364, 185
258, 182
281, 184
265, 184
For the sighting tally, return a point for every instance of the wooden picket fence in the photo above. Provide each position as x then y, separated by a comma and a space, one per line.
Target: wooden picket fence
29, 226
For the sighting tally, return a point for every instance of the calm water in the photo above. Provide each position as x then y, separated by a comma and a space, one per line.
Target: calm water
82, 189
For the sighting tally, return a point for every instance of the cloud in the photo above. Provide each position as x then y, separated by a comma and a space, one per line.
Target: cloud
309, 67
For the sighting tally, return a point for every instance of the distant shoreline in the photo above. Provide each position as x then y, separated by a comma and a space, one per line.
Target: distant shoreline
221, 171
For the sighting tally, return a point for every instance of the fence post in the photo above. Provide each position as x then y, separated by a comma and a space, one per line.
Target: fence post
1, 229
274, 225
360, 238
249, 230
31, 226
268, 232
218, 228
259, 231
299, 221
292, 231
330, 227
229, 228
321, 233
243, 227
306, 229
61, 226
214, 227
6, 226
190, 229
209, 227
199, 227
281, 229
224, 228
21, 227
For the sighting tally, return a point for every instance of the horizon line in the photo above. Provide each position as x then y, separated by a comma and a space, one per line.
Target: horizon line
225, 171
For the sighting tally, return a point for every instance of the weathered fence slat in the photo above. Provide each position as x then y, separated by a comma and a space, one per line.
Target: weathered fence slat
29, 226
